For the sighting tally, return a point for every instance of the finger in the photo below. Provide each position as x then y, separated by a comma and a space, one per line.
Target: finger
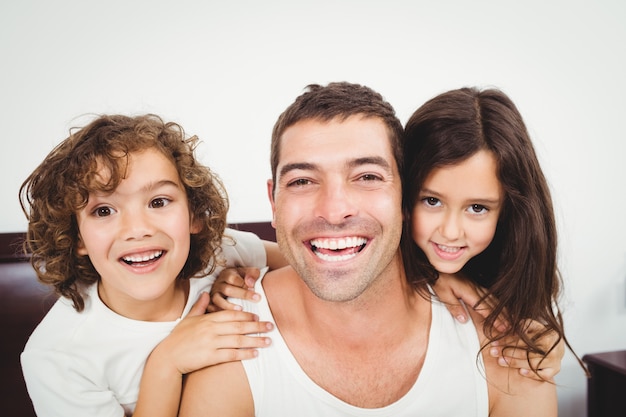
232, 276
219, 303
231, 316
251, 275
201, 305
458, 311
228, 290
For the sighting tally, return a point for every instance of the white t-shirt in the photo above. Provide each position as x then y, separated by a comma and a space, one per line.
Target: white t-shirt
451, 382
90, 363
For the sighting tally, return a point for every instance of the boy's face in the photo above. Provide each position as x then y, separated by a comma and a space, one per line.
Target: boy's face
138, 237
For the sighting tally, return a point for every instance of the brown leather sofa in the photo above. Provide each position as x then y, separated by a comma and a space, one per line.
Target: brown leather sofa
23, 303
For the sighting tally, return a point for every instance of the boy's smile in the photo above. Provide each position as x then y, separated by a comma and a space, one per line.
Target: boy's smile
138, 236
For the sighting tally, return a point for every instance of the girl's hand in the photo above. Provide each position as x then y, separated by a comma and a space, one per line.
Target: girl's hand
235, 283
201, 340
512, 353
459, 293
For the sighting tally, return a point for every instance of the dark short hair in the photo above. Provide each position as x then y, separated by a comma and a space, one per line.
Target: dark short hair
337, 100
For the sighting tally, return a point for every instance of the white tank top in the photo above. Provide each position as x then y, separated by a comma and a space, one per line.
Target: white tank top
451, 382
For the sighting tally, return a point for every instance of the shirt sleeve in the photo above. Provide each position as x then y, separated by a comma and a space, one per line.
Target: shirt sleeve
58, 389
243, 249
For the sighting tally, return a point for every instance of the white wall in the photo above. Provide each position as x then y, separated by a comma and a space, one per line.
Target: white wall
225, 72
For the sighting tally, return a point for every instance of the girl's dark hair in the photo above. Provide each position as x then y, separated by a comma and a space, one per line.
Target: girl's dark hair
519, 268
59, 187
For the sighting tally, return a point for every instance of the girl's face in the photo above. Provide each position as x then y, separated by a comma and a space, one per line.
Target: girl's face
138, 236
457, 211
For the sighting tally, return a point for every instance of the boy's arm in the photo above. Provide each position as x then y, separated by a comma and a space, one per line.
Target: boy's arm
220, 390
275, 259
198, 341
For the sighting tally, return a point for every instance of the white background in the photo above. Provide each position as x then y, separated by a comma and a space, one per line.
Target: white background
226, 70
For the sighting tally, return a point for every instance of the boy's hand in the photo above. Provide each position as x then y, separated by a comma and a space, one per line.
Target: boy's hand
201, 340
235, 283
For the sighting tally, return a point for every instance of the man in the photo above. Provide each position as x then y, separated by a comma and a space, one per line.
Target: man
355, 338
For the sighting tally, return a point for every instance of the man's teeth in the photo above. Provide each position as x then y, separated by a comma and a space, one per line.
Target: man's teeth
143, 258
339, 244
336, 245
449, 249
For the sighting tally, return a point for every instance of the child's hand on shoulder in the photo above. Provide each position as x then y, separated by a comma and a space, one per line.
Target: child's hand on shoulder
201, 340
234, 283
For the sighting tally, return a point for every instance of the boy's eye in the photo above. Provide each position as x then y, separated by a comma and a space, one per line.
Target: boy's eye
159, 202
103, 211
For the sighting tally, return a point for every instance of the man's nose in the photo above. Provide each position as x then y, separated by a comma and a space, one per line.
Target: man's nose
335, 203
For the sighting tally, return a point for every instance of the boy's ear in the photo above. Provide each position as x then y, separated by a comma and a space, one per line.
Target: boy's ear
80, 247
196, 226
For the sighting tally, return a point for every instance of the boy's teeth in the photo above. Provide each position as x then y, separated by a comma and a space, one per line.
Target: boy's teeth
144, 258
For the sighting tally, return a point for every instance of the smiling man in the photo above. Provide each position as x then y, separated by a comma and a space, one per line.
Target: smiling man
354, 337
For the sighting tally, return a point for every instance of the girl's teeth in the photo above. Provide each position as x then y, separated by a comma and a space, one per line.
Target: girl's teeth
144, 258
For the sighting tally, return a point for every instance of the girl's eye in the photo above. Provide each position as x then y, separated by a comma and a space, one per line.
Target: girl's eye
103, 211
159, 202
431, 201
478, 209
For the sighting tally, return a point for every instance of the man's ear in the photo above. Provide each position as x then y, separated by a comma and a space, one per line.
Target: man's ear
270, 195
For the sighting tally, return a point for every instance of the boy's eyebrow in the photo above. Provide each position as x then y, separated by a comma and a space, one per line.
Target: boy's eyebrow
307, 166
162, 183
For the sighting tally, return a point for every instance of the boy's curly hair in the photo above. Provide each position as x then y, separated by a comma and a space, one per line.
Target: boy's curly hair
59, 187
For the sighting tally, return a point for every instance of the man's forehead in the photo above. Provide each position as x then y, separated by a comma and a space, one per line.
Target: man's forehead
353, 137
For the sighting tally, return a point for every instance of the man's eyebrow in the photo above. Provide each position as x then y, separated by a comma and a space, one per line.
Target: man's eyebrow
370, 160
366, 160
305, 166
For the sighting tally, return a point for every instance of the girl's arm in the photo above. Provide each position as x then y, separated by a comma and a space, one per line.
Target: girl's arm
460, 294
198, 341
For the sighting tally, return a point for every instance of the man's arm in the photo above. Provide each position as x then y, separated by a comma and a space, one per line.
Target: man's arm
219, 390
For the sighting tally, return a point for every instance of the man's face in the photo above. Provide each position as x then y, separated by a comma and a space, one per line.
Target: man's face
337, 204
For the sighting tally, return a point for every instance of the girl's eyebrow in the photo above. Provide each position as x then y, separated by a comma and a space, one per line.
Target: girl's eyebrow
485, 201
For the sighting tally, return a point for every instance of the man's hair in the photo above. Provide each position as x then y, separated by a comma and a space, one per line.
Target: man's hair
338, 100
59, 187
521, 261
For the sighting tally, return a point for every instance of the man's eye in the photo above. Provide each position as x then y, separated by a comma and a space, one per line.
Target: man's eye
300, 182
370, 177
159, 202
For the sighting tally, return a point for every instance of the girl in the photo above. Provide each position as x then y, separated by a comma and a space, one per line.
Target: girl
477, 204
